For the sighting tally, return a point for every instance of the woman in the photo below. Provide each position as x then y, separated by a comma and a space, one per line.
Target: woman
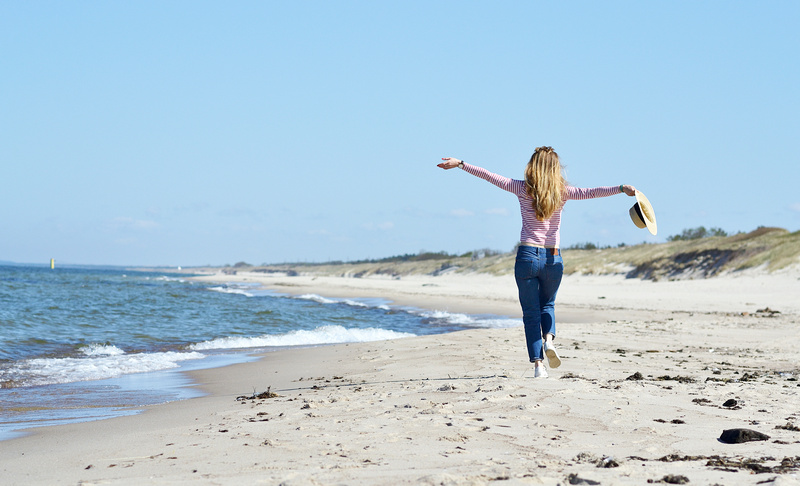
539, 267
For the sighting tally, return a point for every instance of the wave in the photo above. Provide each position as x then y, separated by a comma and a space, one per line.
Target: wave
233, 289
167, 278
101, 350
450, 318
324, 300
471, 321
321, 335
456, 319
102, 362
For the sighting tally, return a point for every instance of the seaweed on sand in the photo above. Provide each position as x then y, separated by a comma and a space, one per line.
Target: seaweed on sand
259, 396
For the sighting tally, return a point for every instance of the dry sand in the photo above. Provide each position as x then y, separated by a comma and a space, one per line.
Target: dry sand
647, 369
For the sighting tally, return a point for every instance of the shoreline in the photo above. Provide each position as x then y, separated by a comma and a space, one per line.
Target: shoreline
579, 297
462, 408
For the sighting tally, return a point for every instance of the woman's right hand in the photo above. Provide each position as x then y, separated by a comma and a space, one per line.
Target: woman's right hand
449, 163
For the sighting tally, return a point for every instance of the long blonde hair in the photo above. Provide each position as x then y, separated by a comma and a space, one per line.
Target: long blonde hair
544, 182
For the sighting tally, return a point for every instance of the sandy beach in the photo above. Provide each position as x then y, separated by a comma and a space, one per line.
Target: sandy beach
652, 374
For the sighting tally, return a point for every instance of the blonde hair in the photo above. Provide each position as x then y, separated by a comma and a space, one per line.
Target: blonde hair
545, 183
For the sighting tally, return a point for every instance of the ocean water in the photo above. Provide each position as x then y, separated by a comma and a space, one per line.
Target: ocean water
82, 344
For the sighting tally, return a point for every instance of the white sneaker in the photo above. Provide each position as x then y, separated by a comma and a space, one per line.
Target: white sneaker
552, 355
539, 372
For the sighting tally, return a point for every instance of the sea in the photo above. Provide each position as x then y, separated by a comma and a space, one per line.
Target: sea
90, 343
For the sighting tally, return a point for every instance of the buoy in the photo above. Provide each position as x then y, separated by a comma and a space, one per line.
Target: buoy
52, 263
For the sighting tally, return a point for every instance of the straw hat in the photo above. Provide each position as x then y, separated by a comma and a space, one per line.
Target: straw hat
642, 214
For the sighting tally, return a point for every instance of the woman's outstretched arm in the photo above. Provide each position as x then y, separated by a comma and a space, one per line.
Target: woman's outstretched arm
502, 182
578, 193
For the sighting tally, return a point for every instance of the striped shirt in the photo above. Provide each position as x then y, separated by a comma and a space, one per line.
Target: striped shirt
540, 233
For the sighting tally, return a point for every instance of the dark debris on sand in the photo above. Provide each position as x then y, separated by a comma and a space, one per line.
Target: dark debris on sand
574, 479
788, 426
671, 479
259, 396
679, 379
603, 462
757, 466
730, 403
767, 311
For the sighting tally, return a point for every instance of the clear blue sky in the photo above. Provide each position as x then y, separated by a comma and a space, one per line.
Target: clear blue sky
191, 133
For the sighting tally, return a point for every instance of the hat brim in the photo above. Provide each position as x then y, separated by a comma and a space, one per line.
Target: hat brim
643, 211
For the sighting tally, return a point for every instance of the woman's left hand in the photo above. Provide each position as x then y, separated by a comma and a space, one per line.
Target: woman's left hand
449, 163
629, 190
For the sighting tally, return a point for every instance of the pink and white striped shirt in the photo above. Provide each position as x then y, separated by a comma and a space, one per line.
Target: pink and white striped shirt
540, 233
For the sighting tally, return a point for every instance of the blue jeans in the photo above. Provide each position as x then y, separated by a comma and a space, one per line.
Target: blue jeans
538, 273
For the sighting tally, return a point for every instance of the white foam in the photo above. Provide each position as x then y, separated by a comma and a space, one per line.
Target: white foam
324, 300
228, 289
317, 298
48, 371
499, 323
101, 350
449, 317
472, 321
354, 303
320, 335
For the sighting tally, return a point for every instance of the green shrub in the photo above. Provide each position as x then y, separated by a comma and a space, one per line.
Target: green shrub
697, 233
